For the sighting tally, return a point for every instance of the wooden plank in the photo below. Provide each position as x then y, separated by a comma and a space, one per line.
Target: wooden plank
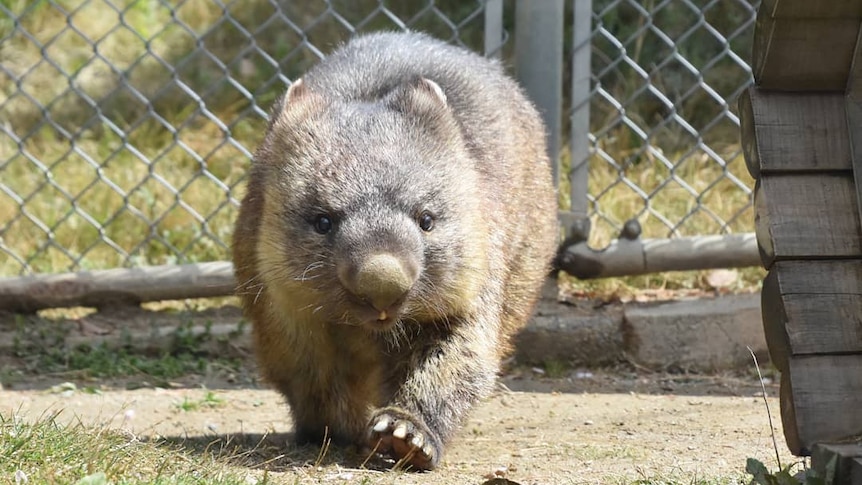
812, 9
793, 132
117, 286
812, 307
806, 216
827, 398
803, 54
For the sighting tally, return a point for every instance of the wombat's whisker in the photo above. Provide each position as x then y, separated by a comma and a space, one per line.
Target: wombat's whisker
311, 267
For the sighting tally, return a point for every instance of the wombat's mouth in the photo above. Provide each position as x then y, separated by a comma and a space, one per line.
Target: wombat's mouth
371, 318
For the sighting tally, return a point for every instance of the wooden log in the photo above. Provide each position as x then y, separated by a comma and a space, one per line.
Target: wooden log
827, 397
800, 132
812, 9
812, 307
774, 317
806, 216
803, 53
762, 227
116, 286
788, 414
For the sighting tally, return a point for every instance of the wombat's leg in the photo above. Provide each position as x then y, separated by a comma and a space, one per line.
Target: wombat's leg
444, 383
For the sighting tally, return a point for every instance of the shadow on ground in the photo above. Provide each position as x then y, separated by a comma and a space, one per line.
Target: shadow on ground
275, 452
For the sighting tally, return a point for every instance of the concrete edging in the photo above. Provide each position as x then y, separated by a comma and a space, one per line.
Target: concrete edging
703, 334
700, 334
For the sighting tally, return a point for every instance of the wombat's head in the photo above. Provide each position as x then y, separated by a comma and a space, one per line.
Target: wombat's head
372, 210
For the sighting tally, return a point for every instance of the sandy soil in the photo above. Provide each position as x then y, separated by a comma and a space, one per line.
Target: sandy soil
590, 427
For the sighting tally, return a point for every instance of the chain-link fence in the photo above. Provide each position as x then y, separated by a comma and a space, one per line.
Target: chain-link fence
126, 126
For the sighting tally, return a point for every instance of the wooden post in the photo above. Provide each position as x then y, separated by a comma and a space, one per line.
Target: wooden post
801, 131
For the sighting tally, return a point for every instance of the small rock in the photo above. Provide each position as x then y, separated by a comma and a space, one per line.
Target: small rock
721, 278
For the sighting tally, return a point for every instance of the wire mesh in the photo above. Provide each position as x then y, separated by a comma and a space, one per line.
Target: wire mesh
664, 128
126, 126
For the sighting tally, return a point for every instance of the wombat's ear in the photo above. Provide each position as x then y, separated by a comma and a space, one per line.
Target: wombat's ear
423, 99
428, 86
297, 103
421, 96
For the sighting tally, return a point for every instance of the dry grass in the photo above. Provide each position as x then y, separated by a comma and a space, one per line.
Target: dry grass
121, 188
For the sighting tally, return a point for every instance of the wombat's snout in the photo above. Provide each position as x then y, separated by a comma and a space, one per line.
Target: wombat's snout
382, 280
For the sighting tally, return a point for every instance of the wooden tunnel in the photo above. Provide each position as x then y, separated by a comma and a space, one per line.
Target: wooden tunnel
802, 138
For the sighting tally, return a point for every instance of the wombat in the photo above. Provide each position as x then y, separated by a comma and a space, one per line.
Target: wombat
399, 223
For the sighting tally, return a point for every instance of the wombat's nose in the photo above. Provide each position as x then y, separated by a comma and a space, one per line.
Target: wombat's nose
383, 279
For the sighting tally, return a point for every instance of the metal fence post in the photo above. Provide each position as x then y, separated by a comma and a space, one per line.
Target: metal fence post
493, 27
576, 222
539, 64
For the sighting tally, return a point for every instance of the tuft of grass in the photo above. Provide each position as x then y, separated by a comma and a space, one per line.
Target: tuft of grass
556, 368
209, 400
47, 451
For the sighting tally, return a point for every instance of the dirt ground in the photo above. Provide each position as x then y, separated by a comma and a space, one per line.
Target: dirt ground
611, 426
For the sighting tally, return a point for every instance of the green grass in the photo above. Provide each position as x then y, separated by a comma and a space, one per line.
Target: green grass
209, 400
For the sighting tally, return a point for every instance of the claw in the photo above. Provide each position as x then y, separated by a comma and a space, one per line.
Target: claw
418, 441
400, 431
381, 425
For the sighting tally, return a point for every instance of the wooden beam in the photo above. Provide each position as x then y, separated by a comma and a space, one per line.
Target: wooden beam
793, 53
806, 216
826, 399
799, 132
116, 286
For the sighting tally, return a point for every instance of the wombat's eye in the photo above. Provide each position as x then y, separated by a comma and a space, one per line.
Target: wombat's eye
322, 224
426, 221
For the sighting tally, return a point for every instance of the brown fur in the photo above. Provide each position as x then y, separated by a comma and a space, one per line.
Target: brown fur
365, 140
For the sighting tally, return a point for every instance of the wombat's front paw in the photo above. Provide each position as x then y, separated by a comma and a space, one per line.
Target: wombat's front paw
398, 434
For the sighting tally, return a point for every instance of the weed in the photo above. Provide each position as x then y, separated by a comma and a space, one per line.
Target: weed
556, 368
784, 476
762, 476
209, 400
